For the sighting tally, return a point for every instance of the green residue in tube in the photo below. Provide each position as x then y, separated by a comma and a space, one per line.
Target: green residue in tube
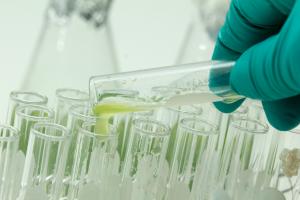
115, 108
106, 110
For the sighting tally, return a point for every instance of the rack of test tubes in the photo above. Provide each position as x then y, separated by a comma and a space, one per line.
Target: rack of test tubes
87, 146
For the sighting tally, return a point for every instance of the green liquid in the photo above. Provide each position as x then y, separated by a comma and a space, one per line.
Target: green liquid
107, 110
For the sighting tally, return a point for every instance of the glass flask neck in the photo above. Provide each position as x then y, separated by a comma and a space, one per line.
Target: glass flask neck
94, 12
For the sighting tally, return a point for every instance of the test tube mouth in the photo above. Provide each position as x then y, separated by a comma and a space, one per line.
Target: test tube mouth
250, 126
243, 110
50, 131
198, 126
89, 129
151, 128
35, 112
8, 133
70, 94
27, 97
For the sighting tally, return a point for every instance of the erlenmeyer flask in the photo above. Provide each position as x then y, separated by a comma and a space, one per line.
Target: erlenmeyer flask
207, 17
75, 43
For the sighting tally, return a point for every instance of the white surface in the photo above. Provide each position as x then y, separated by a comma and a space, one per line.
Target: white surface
147, 33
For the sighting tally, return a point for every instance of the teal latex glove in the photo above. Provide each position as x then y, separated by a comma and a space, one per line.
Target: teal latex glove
264, 37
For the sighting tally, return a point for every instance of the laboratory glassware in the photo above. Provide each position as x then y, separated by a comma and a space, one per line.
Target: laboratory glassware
78, 115
26, 117
19, 98
243, 166
286, 156
172, 117
75, 43
188, 84
145, 164
95, 171
194, 152
65, 99
9, 141
207, 16
122, 123
45, 162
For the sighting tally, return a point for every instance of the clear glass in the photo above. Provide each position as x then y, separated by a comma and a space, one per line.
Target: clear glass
207, 16
65, 99
286, 156
174, 86
9, 141
19, 98
122, 123
244, 164
146, 169
78, 115
45, 162
170, 117
26, 117
74, 44
95, 172
224, 123
194, 152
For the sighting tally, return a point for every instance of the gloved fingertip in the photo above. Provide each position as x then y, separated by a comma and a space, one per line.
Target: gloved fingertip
281, 115
228, 108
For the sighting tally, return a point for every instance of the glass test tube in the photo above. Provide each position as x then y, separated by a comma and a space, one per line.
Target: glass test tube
78, 115
145, 163
26, 117
287, 158
243, 165
224, 123
122, 122
196, 83
9, 141
172, 117
65, 99
191, 164
96, 164
256, 111
19, 98
45, 162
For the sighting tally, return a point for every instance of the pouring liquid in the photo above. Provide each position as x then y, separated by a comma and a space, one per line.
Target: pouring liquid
114, 106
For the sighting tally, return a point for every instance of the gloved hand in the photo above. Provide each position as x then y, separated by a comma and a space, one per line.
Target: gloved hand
264, 37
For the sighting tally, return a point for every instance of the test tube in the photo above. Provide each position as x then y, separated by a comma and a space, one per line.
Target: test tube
65, 98
145, 163
78, 115
96, 163
19, 98
224, 123
256, 111
9, 141
26, 117
195, 148
172, 117
196, 83
242, 172
45, 162
286, 159
122, 122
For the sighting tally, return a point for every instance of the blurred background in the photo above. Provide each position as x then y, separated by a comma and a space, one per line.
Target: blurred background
144, 34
